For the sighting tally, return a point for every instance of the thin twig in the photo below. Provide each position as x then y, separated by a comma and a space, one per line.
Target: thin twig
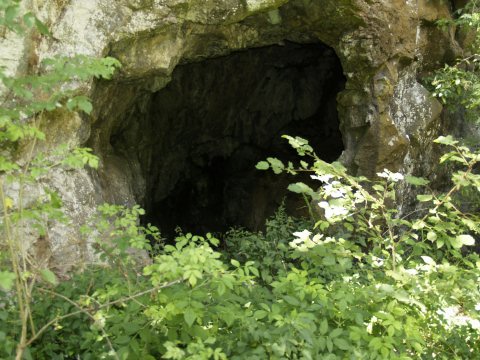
81, 309
50, 323
128, 298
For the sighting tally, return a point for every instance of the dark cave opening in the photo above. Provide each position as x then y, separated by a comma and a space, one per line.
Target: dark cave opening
200, 137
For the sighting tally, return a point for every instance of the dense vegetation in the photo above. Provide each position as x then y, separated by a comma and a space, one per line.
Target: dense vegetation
358, 280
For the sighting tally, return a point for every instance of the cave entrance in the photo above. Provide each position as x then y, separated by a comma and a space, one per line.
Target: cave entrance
204, 132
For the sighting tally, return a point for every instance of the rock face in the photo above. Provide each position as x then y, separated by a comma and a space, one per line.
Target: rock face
208, 86
197, 140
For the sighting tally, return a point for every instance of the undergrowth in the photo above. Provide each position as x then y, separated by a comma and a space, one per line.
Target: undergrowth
362, 281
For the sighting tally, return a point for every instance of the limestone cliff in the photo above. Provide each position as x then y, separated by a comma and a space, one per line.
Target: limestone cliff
343, 73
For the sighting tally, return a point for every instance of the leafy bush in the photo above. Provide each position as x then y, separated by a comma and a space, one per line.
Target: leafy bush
457, 85
407, 284
389, 287
25, 101
270, 250
362, 282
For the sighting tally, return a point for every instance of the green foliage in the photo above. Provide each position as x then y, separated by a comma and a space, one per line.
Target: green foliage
361, 282
121, 230
458, 85
11, 19
25, 101
6, 280
410, 277
270, 250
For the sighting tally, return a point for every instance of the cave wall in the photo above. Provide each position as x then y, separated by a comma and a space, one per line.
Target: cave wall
204, 132
387, 118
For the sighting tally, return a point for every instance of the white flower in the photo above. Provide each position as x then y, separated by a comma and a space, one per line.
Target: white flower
334, 190
338, 193
373, 320
358, 197
332, 211
391, 176
302, 236
377, 262
475, 324
411, 272
303, 241
324, 178
454, 317
449, 312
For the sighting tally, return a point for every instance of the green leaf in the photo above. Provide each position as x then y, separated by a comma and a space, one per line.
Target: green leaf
29, 19
335, 333
378, 187
291, 300
300, 144
6, 280
131, 327
456, 243
417, 346
342, 344
466, 240
213, 240
445, 140
260, 314
277, 165
123, 340
300, 188
452, 156
189, 317
428, 260
49, 276
80, 102
254, 271
42, 27
172, 351
424, 198
221, 288
262, 165
10, 14
329, 345
323, 327
193, 277
228, 317
417, 181
235, 263
419, 224
329, 260
432, 235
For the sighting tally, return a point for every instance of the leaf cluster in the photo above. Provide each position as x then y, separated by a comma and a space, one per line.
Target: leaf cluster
362, 281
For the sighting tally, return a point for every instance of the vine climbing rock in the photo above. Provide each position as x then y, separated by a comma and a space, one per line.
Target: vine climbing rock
386, 117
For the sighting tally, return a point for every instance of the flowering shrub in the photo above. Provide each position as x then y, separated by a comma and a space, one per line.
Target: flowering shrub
359, 280
363, 281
